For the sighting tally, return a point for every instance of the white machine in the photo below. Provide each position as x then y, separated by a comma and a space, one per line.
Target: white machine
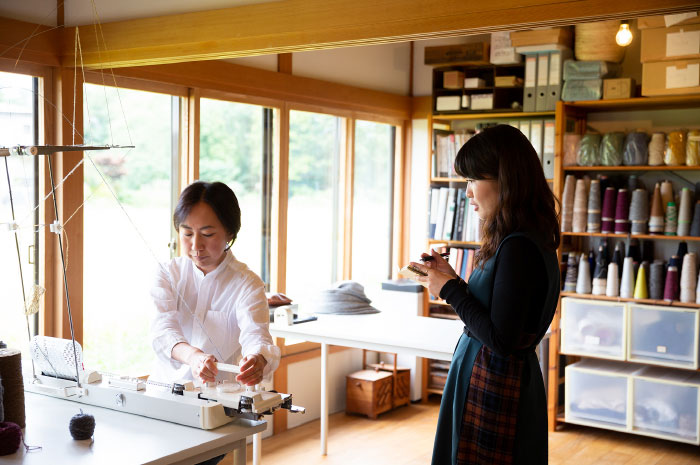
207, 407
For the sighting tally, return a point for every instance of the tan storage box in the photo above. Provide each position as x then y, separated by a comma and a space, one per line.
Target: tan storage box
402, 382
369, 392
618, 88
671, 43
473, 54
453, 79
557, 35
681, 19
671, 78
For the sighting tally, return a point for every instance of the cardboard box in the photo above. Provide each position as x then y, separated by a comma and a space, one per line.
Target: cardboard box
671, 43
474, 83
558, 35
618, 88
453, 79
680, 19
475, 54
448, 103
671, 77
508, 81
482, 102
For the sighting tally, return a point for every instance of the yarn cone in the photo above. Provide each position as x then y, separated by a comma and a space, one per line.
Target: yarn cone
689, 278
697, 293
684, 212
639, 211
580, 207
671, 286
648, 251
671, 223
571, 272
618, 257
656, 280
627, 281
656, 217
622, 212
612, 288
600, 274
695, 225
640, 288
680, 253
607, 221
634, 251
657, 145
567, 208
583, 283
593, 209
666, 194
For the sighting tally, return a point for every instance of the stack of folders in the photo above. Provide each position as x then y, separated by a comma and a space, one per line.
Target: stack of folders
540, 133
446, 147
543, 76
451, 216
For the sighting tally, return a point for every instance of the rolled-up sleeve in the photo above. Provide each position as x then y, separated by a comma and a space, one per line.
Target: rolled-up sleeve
166, 330
253, 318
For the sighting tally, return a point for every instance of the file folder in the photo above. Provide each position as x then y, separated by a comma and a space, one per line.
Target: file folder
556, 66
548, 149
525, 128
542, 88
530, 88
536, 129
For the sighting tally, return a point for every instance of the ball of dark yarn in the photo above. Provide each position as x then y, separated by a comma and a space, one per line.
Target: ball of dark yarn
10, 437
82, 426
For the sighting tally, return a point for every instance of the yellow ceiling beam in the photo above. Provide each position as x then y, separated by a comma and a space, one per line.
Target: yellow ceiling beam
298, 25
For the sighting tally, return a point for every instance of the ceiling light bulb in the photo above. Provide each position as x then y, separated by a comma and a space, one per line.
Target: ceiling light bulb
624, 35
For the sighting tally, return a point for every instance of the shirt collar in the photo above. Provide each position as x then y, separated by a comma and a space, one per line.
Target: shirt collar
224, 264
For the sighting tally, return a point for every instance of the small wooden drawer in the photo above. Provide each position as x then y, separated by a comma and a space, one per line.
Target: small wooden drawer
663, 335
369, 392
593, 328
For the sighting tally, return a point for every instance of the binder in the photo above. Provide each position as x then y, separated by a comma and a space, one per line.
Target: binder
525, 128
442, 209
548, 149
434, 205
542, 88
556, 66
530, 84
449, 214
536, 129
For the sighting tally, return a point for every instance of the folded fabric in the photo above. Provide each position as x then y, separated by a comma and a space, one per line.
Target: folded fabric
346, 298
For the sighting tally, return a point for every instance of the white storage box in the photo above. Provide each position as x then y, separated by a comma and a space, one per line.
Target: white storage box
596, 393
595, 328
665, 404
663, 335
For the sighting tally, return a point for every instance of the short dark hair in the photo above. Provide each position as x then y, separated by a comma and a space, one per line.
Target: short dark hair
525, 203
218, 196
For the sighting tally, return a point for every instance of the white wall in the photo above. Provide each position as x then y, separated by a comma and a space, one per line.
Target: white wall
378, 67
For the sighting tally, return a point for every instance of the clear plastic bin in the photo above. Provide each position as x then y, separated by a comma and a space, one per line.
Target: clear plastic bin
663, 336
594, 328
597, 395
667, 406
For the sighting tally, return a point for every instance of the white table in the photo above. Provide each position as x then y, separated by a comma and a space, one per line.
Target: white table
122, 437
411, 335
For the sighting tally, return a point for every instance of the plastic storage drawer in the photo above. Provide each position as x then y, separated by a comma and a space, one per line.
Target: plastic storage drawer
665, 404
596, 394
593, 328
663, 336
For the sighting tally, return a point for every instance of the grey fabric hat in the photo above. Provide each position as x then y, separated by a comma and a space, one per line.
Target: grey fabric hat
345, 298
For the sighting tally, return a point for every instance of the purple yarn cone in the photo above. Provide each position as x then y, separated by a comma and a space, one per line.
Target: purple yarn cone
671, 289
608, 215
622, 212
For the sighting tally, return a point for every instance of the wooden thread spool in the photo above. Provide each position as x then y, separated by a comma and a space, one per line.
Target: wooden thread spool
13, 386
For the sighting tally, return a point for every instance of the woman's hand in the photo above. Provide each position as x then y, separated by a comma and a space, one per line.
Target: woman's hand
252, 367
203, 366
438, 272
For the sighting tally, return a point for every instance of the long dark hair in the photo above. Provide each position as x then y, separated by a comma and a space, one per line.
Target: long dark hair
219, 197
525, 201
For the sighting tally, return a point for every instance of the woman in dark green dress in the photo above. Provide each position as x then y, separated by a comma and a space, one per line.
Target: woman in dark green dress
493, 407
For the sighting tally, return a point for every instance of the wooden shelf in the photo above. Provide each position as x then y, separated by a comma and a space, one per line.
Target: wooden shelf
444, 316
666, 303
461, 180
438, 302
641, 103
481, 116
632, 168
438, 241
633, 236
432, 390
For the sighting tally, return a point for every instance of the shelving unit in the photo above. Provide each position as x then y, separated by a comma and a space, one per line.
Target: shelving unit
574, 117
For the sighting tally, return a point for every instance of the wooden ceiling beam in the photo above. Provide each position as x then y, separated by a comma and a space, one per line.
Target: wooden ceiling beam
299, 25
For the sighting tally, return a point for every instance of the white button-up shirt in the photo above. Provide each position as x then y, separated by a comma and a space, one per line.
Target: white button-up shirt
223, 313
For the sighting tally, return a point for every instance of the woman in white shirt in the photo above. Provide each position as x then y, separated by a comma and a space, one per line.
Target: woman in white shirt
209, 306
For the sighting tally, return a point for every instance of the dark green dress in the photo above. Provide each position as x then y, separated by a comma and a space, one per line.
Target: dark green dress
530, 445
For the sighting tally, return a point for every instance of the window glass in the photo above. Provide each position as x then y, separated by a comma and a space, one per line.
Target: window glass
124, 240
17, 127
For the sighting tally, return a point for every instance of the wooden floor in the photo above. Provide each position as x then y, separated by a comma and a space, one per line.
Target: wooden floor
405, 436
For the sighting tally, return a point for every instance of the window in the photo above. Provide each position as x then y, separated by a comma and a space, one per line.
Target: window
125, 239
313, 213
18, 126
372, 203
236, 149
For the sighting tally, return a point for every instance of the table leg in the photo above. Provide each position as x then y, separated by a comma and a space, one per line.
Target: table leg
324, 399
239, 457
257, 448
